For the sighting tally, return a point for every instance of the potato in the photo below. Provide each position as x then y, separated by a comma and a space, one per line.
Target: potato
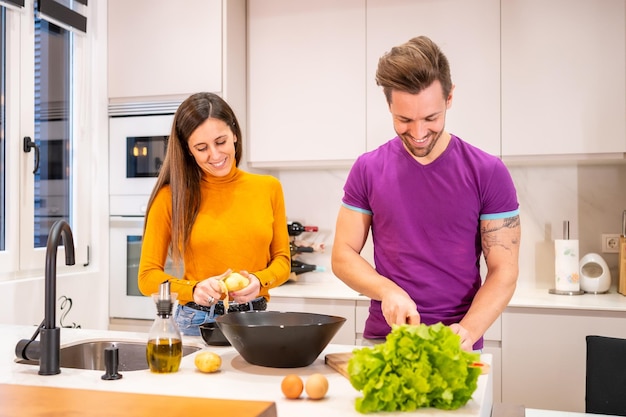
236, 281
208, 361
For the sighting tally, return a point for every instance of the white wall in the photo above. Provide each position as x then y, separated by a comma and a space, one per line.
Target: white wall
23, 300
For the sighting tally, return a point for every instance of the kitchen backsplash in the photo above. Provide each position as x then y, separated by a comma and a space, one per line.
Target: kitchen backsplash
590, 197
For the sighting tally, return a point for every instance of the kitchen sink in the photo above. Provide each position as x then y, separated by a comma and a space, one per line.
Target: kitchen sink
90, 355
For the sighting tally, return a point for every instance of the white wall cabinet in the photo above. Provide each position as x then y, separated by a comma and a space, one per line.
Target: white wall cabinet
544, 354
468, 33
313, 98
306, 82
164, 48
529, 80
563, 84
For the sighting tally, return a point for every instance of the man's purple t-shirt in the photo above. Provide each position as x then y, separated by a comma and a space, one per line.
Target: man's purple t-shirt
425, 223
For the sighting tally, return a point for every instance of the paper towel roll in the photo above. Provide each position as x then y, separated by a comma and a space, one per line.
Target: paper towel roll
566, 267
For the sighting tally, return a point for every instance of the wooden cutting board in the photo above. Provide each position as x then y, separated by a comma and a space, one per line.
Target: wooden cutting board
32, 401
339, 362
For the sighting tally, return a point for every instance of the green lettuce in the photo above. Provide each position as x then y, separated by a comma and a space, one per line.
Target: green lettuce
417, 366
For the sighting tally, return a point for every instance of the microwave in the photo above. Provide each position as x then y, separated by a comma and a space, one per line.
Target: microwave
137, 147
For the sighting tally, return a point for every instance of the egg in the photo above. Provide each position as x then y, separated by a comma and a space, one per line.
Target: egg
316, 386
292, 386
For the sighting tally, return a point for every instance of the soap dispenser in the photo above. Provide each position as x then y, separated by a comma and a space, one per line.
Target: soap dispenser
165, 347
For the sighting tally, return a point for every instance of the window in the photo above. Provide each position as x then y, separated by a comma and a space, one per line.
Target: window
44, 74
53, 99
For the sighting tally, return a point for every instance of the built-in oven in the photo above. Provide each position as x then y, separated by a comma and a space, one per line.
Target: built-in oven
126, 301
137, 146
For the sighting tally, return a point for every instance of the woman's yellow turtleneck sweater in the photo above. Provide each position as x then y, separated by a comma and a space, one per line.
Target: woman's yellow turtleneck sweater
241, 225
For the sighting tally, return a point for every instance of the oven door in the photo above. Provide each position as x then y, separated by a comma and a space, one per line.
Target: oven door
125, 299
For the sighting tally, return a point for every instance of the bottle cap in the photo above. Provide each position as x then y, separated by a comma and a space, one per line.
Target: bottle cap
164, 302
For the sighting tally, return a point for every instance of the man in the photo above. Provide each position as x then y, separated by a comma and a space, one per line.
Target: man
434, 204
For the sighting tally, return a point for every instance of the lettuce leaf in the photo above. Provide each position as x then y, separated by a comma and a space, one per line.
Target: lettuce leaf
417, 366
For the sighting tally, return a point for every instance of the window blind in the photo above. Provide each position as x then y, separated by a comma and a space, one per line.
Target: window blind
12, 3
56, 13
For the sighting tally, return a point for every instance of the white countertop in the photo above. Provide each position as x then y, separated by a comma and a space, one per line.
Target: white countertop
325, 285
541, 298
322, 285
533, 412
236, 380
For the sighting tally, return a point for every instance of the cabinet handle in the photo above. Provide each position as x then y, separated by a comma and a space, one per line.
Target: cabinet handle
28, 145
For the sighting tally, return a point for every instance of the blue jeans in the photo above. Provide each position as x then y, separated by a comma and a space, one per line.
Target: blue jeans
189, 319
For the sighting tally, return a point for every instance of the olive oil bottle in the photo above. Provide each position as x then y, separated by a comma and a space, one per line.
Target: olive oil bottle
165, 347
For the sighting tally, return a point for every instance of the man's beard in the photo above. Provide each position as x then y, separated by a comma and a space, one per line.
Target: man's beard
416, 151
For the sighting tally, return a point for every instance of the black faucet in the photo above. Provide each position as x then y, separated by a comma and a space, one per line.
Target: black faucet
49, 347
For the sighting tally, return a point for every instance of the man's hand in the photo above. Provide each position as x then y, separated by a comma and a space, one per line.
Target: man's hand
466, 342
399, 308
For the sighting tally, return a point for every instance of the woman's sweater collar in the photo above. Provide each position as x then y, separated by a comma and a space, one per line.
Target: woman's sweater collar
233, 175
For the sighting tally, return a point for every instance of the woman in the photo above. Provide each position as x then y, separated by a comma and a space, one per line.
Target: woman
212, 218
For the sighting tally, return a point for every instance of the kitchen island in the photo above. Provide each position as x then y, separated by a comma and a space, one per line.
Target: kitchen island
237, 379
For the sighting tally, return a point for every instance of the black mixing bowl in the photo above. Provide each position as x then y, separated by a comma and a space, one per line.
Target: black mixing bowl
212, 335
279, 339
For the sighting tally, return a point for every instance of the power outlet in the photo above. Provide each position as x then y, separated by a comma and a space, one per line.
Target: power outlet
610, 243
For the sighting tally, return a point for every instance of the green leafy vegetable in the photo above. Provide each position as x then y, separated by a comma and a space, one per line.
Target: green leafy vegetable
417, 366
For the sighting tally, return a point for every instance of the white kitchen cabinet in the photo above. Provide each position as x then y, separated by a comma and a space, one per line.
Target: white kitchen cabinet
313, 98
341, 308
360, 316
563, 84
468, 33
306, 68
493, 345
532, 77
544, 354
164, 48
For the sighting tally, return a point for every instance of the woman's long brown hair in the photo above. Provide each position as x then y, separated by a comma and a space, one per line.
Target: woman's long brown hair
180, 169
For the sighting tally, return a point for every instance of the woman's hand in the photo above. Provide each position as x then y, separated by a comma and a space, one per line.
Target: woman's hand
250, 292
208, 291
